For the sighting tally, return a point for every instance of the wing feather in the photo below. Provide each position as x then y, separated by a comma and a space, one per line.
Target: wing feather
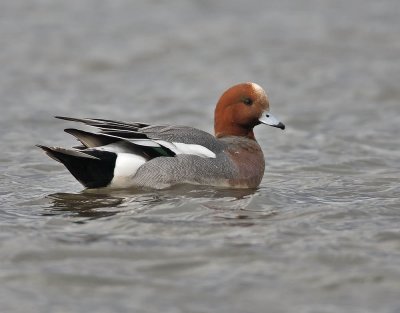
169, 140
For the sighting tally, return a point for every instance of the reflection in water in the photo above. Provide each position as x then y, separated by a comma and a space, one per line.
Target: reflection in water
210, 192
84, 204
232, 207
98, 203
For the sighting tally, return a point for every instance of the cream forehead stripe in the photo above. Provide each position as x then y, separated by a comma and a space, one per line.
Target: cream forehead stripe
258, 89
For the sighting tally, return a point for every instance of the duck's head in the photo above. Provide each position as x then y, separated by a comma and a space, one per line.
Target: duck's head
240, 108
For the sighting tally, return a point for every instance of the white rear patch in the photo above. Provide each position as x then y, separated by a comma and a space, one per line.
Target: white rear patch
126, 166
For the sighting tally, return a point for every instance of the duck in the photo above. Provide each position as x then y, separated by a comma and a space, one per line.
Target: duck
140, 155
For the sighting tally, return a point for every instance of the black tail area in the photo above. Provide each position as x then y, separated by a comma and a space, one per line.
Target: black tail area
93, 169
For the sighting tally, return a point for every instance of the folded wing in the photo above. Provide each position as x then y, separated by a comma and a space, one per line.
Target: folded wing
119, 149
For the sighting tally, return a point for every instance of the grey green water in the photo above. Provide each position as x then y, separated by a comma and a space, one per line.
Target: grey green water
321, 233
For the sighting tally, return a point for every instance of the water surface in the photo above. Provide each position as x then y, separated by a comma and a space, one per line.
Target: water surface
320, 234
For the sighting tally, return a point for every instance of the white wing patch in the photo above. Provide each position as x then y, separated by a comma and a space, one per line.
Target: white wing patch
127, 163
177, 147
118, 147
194, 149
145, 142
184, 148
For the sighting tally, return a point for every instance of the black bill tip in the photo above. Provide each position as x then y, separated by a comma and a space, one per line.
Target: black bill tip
281, 126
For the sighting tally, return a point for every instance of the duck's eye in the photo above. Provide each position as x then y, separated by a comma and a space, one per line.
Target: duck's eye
247, 101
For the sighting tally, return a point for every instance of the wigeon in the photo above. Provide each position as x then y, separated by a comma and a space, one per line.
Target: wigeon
124, 155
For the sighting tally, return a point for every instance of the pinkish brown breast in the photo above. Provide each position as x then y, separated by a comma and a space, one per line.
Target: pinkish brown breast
248, 158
